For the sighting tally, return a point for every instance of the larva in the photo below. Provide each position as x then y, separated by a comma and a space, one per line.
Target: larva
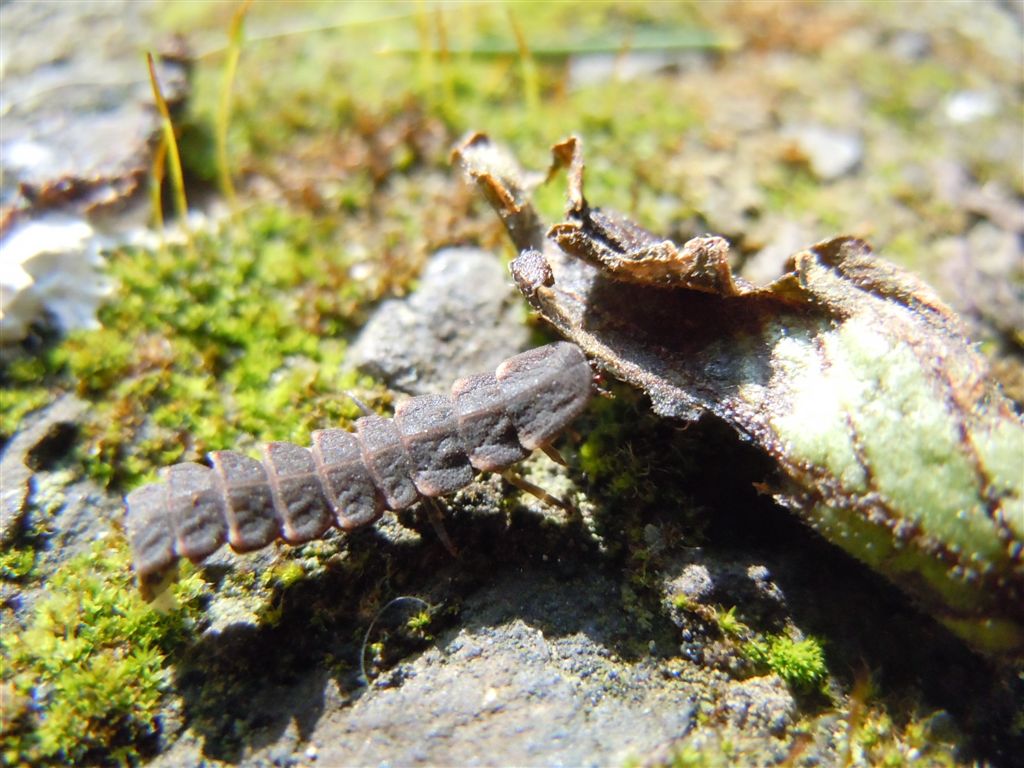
432, 447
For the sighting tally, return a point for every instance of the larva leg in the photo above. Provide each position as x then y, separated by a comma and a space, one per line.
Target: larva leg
436, 516
535, 490
363, 407
552, 453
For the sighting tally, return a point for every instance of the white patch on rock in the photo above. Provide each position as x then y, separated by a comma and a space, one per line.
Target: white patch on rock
965, 107
830, 153
50, 264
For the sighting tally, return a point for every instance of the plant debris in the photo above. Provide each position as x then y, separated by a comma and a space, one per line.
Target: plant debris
888, 435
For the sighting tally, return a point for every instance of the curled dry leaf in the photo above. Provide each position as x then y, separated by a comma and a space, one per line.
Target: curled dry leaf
889, 437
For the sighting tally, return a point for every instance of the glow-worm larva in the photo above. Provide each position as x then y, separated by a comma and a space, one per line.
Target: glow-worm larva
432, 447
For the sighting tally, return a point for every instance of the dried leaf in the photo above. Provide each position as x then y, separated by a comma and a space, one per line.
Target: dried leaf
850, 372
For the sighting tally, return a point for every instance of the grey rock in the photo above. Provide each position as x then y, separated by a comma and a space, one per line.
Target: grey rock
83, 516
536, 672
711, 578
531, 678
13, 497
16, 474
760, 705
464, 318
974, 272
694, 582
78, 118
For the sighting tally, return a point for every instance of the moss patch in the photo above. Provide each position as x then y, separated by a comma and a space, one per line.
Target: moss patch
801, 663
200, 350
92, 659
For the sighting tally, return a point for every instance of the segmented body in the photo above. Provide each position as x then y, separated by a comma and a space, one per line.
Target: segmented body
432, 447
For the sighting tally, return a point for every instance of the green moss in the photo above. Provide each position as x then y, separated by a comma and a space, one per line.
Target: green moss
870, 735
93, 658
729, 624
683, 602
98, 359
18, 403
632, 458
283, 573
201, 350
26, 384
637, 469
709, 756
418, 624
16, 563
801, 663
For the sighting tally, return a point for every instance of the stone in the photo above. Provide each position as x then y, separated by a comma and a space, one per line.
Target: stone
464, 318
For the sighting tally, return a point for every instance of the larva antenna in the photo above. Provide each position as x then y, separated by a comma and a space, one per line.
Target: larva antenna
363, 407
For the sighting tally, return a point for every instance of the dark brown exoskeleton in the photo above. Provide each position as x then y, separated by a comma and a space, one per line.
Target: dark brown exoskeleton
432, 447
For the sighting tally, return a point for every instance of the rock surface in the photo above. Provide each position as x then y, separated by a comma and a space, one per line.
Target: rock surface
14, 462
79, 133
102, 155
529, 680
464, 318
